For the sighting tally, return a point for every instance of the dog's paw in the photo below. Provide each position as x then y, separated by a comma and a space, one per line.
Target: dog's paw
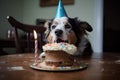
42, 55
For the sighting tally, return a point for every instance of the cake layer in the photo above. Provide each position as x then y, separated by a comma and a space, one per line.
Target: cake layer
58, 58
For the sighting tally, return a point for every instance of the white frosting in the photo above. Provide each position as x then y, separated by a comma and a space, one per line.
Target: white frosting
68, 48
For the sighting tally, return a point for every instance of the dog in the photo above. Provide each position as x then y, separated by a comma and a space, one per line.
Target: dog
70, 30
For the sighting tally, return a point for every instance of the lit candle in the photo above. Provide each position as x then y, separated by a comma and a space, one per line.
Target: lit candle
36, 47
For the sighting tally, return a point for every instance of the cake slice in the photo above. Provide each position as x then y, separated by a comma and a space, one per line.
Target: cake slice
59, 54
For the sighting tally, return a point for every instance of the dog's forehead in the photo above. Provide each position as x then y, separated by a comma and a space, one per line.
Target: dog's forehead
62, 20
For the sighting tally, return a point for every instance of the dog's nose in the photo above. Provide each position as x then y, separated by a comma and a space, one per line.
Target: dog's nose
58, 32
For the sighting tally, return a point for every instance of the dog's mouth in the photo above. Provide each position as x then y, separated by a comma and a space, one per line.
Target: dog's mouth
60, 40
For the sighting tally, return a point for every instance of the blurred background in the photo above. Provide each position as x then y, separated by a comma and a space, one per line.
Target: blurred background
102, 15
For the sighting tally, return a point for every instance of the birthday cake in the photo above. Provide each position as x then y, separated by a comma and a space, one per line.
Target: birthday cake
66, 47
58, 54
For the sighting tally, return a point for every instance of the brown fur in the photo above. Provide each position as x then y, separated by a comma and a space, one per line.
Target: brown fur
72, 38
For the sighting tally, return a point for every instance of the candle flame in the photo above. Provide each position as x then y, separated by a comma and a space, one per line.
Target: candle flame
35, 34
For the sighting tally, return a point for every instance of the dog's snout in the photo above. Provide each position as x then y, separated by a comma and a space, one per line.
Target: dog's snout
58, 32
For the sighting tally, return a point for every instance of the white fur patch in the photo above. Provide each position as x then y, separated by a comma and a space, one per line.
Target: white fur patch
60, 24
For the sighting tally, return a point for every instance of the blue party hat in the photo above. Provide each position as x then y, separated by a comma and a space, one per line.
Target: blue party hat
60, 10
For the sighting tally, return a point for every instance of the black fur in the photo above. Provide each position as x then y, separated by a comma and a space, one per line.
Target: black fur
80, 28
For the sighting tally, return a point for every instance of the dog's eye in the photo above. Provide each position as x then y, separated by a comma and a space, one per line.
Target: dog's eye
53, 27
67, 26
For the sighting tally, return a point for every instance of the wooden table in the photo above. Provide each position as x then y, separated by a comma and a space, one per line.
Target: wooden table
104, 66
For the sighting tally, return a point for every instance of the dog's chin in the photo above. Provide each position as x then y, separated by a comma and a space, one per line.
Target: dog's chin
60, 40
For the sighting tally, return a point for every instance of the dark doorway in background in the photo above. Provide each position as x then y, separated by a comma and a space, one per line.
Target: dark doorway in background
111, 39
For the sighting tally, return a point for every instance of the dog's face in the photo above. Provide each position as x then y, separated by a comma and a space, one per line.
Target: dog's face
64, 30
61, 31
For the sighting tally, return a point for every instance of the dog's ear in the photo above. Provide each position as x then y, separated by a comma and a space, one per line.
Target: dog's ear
47, 26
82, 25
85, 26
